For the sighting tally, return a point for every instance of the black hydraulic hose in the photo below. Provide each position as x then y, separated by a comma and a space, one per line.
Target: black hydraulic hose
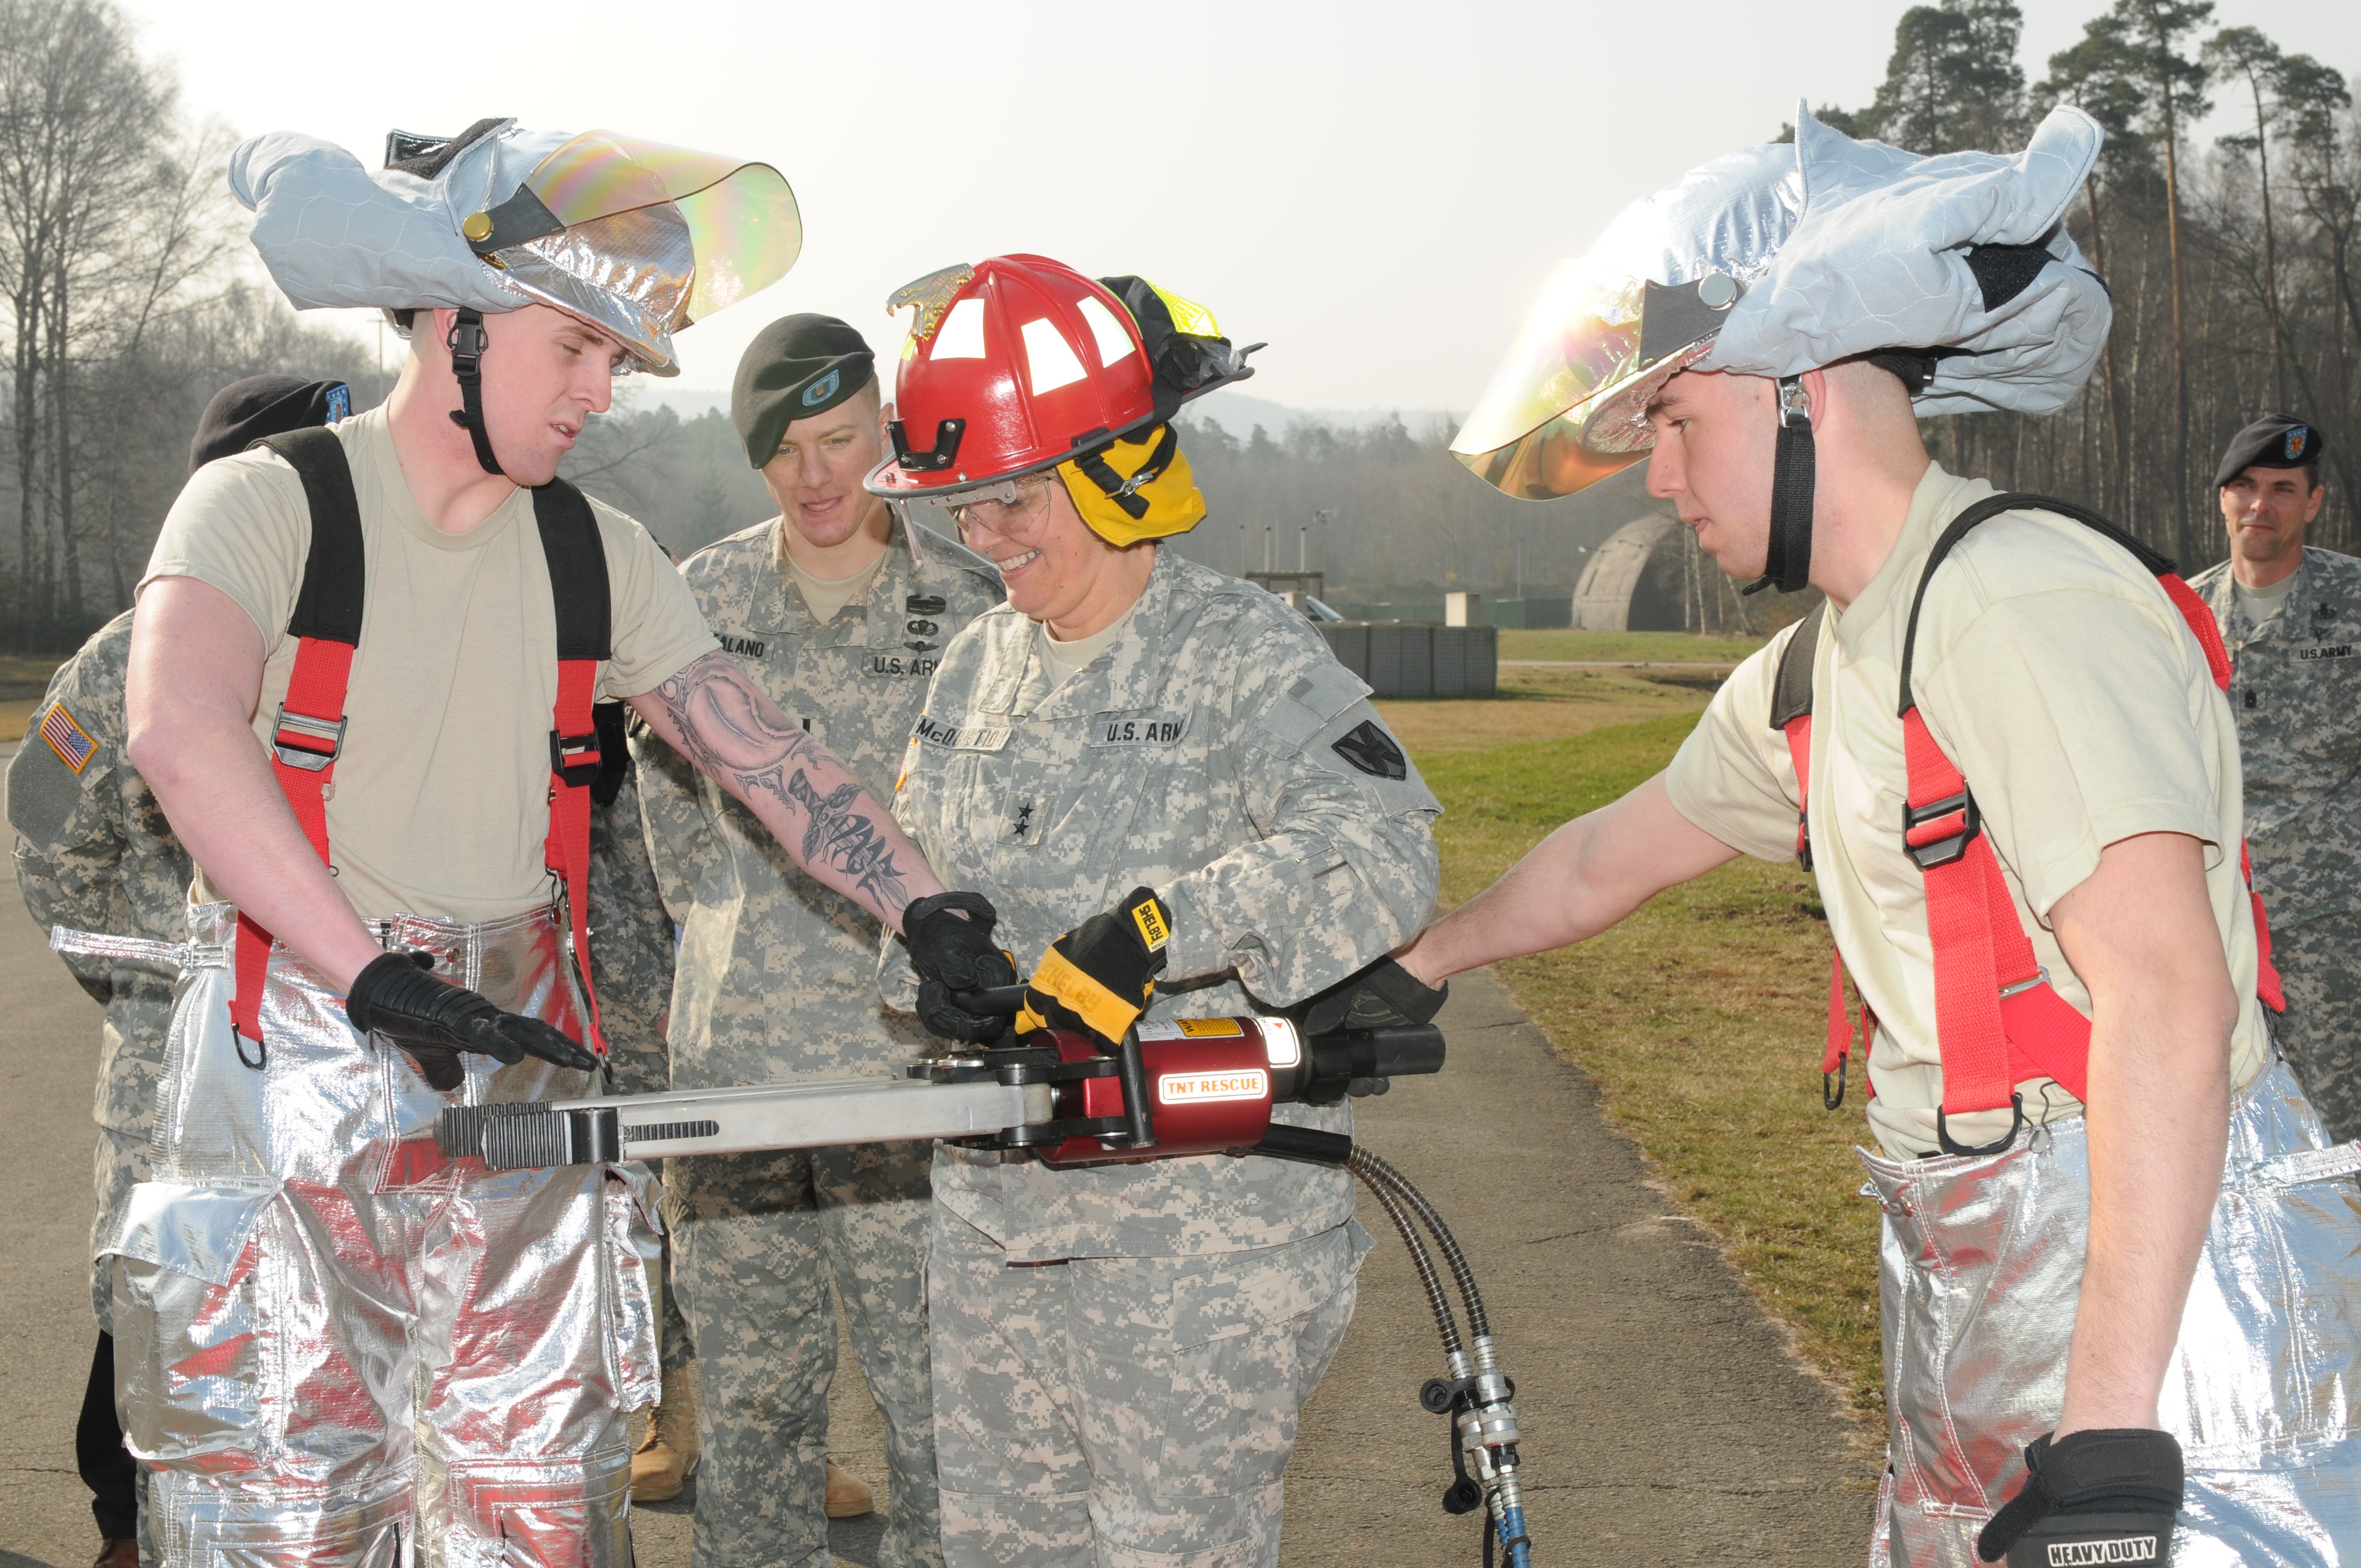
1479, 1324
1416, 1246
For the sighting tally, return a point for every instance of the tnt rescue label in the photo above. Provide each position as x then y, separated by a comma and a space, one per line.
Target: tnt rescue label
1198, 1088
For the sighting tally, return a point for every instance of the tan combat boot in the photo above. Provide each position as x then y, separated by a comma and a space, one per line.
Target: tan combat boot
848, 1499
667, 1453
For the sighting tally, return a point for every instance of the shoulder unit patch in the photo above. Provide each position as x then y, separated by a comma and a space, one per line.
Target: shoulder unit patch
1368, 748
69, 739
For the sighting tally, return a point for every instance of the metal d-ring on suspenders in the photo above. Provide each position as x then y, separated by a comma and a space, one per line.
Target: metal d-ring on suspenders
1997, 1021
309, 734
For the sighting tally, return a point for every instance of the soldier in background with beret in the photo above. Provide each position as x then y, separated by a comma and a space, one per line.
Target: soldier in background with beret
2291, 615
839, 610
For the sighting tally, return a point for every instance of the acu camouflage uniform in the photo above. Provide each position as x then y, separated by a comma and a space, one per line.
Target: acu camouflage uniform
94, 853
775, 983
631, 944
2297, 694
1121, 1353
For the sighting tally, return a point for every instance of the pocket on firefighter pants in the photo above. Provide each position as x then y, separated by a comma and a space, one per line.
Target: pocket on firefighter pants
1981, 1269
201, 1525
1207, 1402
193, 1329
571, 1514
2269, 1364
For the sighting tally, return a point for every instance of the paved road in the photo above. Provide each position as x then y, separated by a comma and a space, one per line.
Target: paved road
1665, 1421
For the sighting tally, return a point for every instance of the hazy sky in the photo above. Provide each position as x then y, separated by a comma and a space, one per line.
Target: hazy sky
1377, 190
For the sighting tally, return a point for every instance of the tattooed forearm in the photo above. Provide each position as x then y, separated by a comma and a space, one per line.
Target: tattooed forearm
840, 837
718, 718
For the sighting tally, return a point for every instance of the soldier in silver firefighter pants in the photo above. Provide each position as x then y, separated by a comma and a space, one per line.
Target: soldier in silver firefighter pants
340, 1349
1982, 1268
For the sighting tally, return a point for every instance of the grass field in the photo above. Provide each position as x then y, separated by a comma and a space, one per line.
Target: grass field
1657, 647
1699, 1018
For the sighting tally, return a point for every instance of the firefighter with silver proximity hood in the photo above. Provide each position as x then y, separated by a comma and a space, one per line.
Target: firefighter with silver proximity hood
2116, 1253
362, 670
1177, 800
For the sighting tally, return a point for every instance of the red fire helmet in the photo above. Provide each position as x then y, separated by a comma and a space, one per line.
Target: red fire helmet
1019, 363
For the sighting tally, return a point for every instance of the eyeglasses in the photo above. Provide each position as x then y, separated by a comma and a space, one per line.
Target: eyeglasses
1013, 509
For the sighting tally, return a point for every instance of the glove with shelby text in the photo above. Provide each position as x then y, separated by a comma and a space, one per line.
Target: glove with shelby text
1097, 977
2107, 1494
1383, 996
436, 1021
949, 937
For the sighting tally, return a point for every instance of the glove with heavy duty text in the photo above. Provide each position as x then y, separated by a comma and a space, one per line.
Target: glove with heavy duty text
2107, 1494
949, 937
434, 1021
1097, 977
1383, 996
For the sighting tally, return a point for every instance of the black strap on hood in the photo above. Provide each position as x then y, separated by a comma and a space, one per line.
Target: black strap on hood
1788, 565
467, 344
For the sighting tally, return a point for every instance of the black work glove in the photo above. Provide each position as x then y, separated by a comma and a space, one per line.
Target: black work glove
952, 953
1097, 977
2108, 1495
1383, 996
434, 1021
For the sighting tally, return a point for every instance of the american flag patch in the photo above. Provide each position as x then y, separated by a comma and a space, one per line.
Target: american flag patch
69, 741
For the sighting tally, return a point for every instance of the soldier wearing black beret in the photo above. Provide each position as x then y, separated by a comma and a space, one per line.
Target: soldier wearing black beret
837, 610
2290, 616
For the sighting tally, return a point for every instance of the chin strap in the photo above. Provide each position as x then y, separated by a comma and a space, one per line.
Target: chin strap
466, 344
1788, 565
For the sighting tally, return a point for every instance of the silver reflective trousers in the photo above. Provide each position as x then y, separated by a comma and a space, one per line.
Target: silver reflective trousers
334, 1349
1980, 1271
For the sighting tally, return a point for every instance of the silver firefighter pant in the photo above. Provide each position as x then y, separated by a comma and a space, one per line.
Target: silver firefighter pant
1981, 1266
336, 1349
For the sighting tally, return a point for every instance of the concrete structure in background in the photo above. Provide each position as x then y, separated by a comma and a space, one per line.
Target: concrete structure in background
1462, 610
1616, 594
1418, 658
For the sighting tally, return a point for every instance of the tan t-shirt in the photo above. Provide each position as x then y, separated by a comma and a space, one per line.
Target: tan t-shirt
826, 596
1060, 660
2054, 672
440, 797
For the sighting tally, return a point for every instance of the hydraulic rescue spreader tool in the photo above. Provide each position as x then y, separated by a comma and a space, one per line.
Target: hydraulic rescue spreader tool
1176, 1087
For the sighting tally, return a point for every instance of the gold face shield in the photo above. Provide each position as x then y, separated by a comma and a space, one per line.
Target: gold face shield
1569, 405
642, 239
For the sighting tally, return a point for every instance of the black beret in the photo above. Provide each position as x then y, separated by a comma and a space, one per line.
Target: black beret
2274, 441
798, 366
245, 412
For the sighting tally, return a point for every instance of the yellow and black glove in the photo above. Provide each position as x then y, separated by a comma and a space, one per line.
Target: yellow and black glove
1097, 977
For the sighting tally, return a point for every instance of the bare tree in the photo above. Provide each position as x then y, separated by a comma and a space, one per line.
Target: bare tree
2156, 29
2245, 52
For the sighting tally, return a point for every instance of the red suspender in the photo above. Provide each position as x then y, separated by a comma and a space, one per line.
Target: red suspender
310, 732
1798, 731
579, 593
574, 760
1997, 1019
311, 729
